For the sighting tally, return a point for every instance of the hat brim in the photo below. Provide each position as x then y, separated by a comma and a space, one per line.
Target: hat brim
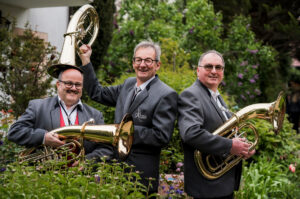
54, 70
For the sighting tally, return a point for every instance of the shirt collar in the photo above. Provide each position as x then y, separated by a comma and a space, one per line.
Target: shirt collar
143, 85
214, 94
79, 103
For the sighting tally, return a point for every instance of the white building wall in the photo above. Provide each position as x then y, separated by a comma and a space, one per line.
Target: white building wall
52, 21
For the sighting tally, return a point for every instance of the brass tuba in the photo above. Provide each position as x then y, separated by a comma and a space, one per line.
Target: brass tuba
213, 167
118, 135
82, 29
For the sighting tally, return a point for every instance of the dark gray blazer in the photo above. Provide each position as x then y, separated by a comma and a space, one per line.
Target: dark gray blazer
199, 116
43, 115
154, 112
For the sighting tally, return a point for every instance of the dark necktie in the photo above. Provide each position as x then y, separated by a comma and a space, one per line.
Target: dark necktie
136, 92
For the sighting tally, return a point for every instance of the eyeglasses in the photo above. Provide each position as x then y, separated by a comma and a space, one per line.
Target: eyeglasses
210, 67
147, 61
70, 84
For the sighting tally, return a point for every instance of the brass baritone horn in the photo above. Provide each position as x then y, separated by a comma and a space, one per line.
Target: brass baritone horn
213, 167
118, 135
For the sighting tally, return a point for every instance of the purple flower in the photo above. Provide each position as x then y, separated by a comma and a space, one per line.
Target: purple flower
2, 169
240, 75
244, 63
179, 164
131, 32
253, 51
248, 92
191, 31
240, 83
223, 83
255, 66
97, 178
163, 187
256, 76
243, 97
178, 191
178, 170
171, 187
257, 91
252, 81
1, 142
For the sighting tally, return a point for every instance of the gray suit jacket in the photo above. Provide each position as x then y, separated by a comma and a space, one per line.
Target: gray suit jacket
154, 112
43, 115
199, 116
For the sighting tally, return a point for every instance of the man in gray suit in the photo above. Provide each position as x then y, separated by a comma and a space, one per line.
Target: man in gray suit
200, 114
44, 115
152, 104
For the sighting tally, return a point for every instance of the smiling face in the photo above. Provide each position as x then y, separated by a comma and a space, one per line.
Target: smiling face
145, 72
211, 78
70, 96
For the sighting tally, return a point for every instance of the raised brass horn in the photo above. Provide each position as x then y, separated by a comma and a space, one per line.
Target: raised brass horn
82, 29
118, 135
213, 167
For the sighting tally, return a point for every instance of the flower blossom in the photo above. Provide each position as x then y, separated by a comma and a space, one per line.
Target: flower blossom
253, 51
240, 83
179, 164
255, 66
244, 63
292, 168
257, 91
252, 81
256, 76
240, 75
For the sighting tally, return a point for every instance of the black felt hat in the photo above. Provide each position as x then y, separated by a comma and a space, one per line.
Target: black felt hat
54, 70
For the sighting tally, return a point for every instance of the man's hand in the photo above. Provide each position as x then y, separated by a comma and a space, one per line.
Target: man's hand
51, 139
85, 54
241, 148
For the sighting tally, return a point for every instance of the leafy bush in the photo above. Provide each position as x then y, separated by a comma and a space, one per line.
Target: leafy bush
23, 64
108, 181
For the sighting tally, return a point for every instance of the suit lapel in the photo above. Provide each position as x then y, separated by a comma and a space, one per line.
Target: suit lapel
81, 116
228, 114
55, 114
138, 100
217, 108
128, 100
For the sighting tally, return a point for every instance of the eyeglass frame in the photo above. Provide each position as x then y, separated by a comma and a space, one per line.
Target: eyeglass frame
148, 58
69, 84
210, 67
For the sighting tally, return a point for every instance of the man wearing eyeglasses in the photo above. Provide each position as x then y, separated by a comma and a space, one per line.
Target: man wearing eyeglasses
152, 104
201, 111
65, 109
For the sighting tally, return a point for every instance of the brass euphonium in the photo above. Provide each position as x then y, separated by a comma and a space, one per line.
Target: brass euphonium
118, 135
213, 167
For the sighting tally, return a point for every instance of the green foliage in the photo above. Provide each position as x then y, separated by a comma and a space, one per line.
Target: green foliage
108, 181
267, 179
23, 64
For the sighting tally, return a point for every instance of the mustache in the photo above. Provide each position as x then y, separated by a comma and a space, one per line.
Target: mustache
72, 91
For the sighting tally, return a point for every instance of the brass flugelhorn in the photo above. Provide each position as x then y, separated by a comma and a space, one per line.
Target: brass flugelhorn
118, 135
213, 167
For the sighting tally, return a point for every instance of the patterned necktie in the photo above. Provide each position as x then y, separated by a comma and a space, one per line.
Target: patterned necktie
136, 92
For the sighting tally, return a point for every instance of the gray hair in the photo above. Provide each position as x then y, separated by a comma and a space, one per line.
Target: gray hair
151, 44
208, 52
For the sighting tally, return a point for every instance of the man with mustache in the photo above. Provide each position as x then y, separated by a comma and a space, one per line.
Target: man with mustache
65, 109
152, 104
201, 111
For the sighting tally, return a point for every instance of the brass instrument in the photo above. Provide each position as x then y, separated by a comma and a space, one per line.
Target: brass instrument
118, 135
213, 167
82, 29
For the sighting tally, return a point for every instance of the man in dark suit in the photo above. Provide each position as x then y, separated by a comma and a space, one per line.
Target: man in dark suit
200, 114
44, 115
153, 107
